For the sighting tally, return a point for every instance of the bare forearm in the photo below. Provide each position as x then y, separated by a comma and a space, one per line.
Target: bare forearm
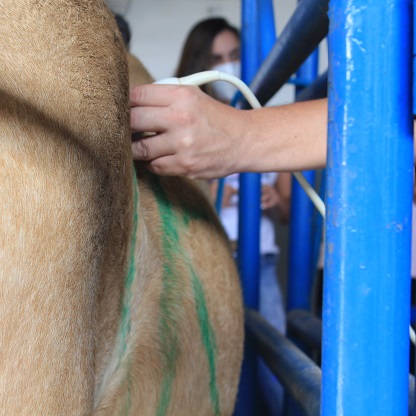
287, 138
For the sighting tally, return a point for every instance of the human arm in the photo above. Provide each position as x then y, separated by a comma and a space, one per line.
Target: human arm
200, 137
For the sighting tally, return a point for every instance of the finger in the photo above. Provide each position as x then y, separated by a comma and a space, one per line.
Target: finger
152, 95
152, 147
167, 166
149, 119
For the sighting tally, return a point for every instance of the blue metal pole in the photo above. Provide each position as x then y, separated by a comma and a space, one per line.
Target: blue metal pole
414, 57
300, 376
412, 309
305, 327
249, 218
369, 194
318, 89
300, 276
258, 39
267, 29
302, 34
301, 273
249, 198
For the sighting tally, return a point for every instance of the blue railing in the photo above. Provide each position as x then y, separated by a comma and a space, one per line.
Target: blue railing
365, 346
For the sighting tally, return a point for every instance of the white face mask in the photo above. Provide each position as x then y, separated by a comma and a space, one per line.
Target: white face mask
223, 90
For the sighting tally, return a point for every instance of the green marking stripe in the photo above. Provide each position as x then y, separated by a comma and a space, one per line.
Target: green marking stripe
208, 338
171, 299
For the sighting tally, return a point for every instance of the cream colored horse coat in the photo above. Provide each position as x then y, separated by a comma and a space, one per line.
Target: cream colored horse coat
117, 295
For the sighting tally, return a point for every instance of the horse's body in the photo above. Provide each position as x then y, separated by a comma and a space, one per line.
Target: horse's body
115, 297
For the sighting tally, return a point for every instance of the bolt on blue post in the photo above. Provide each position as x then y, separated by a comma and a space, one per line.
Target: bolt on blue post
369, 196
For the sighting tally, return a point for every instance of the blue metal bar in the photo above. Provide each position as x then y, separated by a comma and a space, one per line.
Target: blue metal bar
258, 22
308, 329
298, 374
298, 82
414, 57
250, 56
305, 327
317, 89
220, 194
267, 29
249, 237
302, 34
301, 272
369, 196
258, 36
299, 285
249, 211
413, 312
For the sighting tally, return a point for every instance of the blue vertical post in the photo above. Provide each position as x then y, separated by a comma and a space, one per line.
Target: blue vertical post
414, 113
301, 272
249, 218
256, 22
301, 249
249, 198
414, 57
369, 193
258, 37
300, 276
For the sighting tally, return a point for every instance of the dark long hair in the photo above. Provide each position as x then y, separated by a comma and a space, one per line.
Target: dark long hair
196, 52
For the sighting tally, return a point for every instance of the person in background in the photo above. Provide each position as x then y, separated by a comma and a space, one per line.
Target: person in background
214, 44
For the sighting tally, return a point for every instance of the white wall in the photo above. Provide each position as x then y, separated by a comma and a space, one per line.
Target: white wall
159, 28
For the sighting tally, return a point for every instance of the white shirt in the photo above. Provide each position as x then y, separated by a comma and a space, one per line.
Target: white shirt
229, 216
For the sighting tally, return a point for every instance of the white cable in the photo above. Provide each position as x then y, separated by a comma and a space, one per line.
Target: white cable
210, 76
205, 77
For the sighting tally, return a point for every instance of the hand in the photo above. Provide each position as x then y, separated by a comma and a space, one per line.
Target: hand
269, 197
196, 136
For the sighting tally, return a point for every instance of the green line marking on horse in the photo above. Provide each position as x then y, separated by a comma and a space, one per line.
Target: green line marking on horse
172, 296
208, 338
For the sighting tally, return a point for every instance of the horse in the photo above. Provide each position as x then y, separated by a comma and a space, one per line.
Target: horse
119, 293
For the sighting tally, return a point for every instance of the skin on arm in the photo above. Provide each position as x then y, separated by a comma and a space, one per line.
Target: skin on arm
200, 137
